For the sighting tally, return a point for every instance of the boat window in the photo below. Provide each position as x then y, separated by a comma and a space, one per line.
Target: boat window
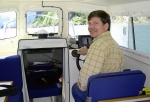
141, 33
42, 20
8, 24
78, 23
119, 29
132, 32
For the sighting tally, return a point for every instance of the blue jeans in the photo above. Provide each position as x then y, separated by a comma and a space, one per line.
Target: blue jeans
78, 95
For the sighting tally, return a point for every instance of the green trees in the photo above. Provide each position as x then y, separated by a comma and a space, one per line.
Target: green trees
78, 18
45, 19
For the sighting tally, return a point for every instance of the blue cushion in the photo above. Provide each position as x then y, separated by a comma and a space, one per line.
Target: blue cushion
16, 98
10, 70
115, 85
52, 90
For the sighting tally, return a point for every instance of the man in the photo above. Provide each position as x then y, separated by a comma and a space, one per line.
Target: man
103, 56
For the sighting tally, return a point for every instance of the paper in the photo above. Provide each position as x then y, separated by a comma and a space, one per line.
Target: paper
137, 100
6, 82
2, 99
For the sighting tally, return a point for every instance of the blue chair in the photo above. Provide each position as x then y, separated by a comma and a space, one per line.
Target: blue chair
115, 85
10, 70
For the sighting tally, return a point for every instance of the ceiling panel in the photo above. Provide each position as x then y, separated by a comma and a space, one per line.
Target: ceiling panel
96, 2
111, 2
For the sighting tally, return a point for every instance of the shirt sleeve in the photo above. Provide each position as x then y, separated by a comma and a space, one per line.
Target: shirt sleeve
92, 65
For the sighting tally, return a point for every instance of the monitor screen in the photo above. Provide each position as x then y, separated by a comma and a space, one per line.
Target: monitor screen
84, 40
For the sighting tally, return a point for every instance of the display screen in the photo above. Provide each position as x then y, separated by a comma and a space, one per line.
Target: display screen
84, 40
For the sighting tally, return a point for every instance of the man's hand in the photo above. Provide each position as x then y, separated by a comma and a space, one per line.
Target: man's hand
83, 50
60, 79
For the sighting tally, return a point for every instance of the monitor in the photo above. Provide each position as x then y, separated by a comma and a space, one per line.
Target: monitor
84, 40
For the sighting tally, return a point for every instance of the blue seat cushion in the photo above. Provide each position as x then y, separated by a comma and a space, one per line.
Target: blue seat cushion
115, 85
16, 98
10, 70
52, 90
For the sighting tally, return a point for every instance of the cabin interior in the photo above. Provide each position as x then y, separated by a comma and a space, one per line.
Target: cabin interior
20, 34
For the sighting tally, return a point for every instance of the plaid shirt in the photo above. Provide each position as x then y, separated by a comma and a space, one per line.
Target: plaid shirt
103, 56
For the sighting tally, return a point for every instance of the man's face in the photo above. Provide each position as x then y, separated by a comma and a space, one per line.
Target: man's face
96, 27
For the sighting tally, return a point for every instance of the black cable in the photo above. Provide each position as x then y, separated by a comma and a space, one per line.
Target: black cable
77, 62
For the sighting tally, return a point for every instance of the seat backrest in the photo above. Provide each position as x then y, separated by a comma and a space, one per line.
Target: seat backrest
10, 70
115, 85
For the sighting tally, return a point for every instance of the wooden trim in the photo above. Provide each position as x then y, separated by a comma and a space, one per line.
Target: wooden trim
127, 98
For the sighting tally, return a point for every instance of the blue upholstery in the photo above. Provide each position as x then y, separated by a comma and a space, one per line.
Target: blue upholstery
10, 70
115, 85
45, 92
16, 98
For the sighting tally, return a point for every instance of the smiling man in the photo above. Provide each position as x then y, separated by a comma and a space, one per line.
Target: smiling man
104, 54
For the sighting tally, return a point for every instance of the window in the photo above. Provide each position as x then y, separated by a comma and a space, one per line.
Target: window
78, 23
8, 24
42, 20
119, 29
132, 32
142, 34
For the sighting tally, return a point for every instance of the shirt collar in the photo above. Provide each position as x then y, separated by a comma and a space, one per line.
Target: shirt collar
102, 35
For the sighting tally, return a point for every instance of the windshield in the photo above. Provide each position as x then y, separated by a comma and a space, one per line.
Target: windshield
7, 24
42, 20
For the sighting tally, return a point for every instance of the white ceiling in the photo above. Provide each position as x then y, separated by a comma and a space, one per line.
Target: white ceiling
111, 2
96, 2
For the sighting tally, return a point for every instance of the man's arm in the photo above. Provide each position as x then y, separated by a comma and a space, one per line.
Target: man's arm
92, 65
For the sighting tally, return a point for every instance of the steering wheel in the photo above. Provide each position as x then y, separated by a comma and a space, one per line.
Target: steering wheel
83, 40
78, 59
74, 54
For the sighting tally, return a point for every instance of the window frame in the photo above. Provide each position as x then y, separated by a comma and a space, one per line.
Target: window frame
60, 17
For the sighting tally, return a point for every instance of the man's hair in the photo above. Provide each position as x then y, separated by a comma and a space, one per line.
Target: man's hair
104, 17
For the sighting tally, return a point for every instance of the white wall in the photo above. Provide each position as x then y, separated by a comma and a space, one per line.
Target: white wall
137, 61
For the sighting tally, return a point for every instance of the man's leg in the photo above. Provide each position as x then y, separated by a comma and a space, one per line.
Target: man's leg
78, 95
